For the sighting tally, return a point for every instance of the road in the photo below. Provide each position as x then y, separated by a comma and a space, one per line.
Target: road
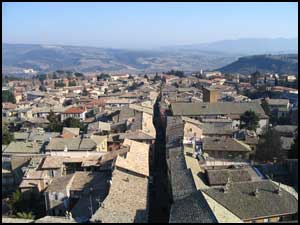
159, 201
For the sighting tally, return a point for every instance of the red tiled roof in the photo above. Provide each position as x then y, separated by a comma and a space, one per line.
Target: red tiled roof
75, 110
8, 105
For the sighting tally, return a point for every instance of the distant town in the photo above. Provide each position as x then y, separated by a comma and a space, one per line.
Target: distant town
172, 147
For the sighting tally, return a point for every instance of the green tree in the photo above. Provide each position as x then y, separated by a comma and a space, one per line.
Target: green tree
146, 77
42, 88
60, 83
269, 147
249, 120
55, 124
78, 74
8, 96
130, 77
7, 136
272, 118
75, 123
72, 83
25, 215
85, 92
156, 77
254, 77
16, 202
105, 91
103, 76
72, 122
42, 77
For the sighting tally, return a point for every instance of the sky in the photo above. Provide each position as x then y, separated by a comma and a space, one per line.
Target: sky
144, 25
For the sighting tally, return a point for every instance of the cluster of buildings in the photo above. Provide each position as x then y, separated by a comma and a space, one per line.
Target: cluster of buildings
104, 173
211, 172
100, 174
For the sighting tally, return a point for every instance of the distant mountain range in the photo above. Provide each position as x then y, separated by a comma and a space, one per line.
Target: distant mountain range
248, 46
46, 58
285, 63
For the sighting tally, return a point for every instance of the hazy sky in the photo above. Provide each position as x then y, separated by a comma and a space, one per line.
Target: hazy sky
145, 25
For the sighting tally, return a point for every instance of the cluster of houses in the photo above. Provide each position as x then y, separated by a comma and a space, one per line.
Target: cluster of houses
92, 175
211, 172
104, 172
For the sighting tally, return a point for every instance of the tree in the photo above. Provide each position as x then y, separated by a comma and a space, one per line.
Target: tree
130, 77
78, 74
72, 83
273, 119
71, 122
156, 78
177, 73
269, 147
8, 96
42, 77
7, 136
85, 92
249, 120
25, 215
103, 76
16, 202
60, 83
42, 88
293, 153
254, 77
55, 124
146, 77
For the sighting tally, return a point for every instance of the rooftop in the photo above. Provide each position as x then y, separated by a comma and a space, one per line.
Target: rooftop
126, 201
59, 183
74, 131
83, 180
224, 144
240, 199
72, 144
75, 110
219, 108
191, 209
136, 135
137, 159
23, 147
220, 176
277, 101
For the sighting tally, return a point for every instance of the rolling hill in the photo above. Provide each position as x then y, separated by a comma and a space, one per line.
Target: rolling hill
207, 56
284, 63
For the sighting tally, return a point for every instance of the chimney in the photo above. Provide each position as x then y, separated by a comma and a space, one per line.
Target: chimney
194, 145
66, 149
278, 190
34, 144
228, 185
256, 192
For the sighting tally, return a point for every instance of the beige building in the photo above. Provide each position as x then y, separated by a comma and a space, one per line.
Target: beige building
210, 95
